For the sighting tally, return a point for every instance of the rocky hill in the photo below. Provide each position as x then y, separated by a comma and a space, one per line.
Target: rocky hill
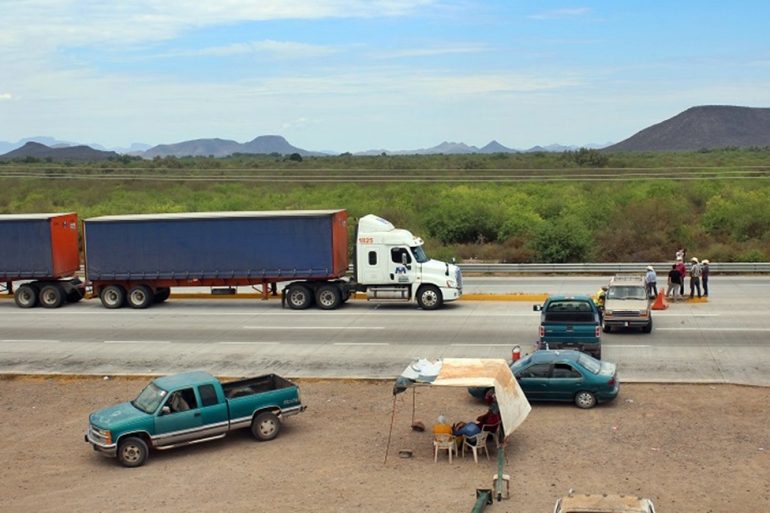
264, 144
705, 127
71, 153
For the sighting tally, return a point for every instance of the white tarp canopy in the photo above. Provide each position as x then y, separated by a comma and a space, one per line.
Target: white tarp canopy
472, 372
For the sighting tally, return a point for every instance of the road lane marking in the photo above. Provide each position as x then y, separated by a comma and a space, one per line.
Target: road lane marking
361, 344
714, 329
236, 343
34, 340
314, 327
137, 341
624, 345
470, 344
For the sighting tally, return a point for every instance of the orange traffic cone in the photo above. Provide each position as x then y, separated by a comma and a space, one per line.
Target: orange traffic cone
660, 302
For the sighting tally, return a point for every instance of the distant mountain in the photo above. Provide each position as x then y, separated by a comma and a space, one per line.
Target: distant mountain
48, 141
496, 147
705, 127
264, 144
72, 153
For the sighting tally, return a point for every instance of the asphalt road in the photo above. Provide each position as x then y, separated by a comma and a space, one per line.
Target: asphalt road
726, 339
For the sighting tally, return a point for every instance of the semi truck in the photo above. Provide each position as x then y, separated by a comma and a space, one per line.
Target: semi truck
40, 250
134, 260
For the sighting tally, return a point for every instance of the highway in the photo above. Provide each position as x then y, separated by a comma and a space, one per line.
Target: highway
726, 339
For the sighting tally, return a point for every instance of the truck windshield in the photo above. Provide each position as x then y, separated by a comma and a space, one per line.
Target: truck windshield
626, 293
149, 399
419, 254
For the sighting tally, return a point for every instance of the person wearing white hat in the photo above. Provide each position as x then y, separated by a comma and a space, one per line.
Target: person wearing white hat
695, 272
704, 276
651, 282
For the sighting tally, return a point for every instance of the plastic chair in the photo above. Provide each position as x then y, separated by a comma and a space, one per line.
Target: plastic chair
443, 442
479, 444
492, 429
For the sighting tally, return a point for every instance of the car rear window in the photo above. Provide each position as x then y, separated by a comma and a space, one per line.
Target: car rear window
569, 310
589, 363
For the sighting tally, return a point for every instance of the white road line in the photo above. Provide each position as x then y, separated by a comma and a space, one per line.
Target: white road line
314, 327
671, 314
137, 341
462, 344
361, 344
246, 343
34, 340
624, 345
714, 329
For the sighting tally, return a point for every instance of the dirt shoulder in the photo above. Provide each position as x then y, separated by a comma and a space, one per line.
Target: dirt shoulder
690, 448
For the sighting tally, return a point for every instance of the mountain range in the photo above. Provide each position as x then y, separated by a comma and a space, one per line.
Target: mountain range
704, 127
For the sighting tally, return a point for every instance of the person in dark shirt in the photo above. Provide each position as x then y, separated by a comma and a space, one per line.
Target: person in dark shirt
674, 283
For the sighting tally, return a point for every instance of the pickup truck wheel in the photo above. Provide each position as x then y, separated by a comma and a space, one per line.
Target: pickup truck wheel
429, 297
113, 296
132, 452
25, 296
51, 296
647, 327
265, 426
299, 297
140, 296
328, 297
606, 328
585, 399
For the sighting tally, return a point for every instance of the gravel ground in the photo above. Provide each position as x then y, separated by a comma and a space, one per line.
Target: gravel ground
690, 448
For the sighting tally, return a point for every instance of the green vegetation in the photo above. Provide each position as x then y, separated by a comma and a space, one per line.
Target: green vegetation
569, 207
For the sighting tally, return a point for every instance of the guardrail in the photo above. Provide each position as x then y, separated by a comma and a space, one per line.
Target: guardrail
606, 268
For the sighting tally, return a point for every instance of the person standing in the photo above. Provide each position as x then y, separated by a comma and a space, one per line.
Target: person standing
704, 276
694, 277
650, 280
682, 273
674, 283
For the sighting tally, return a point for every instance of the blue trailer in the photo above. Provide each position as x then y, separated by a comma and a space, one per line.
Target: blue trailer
136, 259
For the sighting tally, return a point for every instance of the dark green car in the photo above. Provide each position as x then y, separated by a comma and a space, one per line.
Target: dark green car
564, 375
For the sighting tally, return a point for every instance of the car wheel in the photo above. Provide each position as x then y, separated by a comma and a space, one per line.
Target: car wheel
51, 296
132, 452
113, 296
585, 399
25, 296
140, 296
265, 426
606, 328
299, 297
328, 297
647, 327
429, 297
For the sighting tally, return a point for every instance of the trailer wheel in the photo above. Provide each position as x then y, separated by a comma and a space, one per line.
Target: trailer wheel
162, 294
429, 297
265, 426
25, 296
140, 296
328, 297
113, 296
51, 296
299, 297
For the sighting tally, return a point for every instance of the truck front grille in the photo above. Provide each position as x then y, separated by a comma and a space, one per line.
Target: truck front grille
97, 435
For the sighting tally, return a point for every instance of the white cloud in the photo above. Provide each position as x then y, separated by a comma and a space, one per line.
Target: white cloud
556, 14
447, 49
6, 96
275, 49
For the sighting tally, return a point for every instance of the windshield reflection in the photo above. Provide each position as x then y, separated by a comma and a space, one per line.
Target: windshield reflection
149, 399
419, 254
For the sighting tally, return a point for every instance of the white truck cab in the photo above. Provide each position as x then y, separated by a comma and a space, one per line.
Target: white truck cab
391, 265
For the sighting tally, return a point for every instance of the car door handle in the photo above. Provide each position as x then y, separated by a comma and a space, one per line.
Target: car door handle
197, 414
391, 276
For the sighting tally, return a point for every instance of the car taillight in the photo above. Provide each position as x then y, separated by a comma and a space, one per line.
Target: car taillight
612, 381
542, 331
598, 332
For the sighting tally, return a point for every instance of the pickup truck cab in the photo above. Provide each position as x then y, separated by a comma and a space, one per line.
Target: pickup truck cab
188, 408
604, 503
626, 304
570, 322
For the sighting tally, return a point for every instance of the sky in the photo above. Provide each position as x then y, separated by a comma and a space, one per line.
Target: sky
346, 75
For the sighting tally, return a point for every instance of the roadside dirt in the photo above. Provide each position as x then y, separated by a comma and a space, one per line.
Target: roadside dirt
690, 448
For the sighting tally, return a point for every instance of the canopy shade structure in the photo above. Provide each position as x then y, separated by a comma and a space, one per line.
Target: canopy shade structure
471, 372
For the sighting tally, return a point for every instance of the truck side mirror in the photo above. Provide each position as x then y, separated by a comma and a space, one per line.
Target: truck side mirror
405, 260
537, 308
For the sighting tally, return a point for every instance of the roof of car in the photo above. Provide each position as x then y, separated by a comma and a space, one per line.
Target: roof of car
604, 504
625, 279
581, 297
187, 378
553, 355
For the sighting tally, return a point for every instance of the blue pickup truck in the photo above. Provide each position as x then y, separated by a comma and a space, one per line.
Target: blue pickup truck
570, 322
189, 408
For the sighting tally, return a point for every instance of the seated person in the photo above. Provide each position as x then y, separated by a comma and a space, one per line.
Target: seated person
177, 403
467, 430
442, 425
491, 419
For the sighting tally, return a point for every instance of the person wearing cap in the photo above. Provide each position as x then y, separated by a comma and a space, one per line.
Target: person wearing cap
704, 276
682, 273
651, 282
695, 273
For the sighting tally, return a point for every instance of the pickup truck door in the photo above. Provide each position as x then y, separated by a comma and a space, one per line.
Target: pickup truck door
182, 423
214, 414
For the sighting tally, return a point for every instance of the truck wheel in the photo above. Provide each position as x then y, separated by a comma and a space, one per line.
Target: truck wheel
585, 399
140, 296
429, 297
647, 327
299, 297
265, 426
25, 296
51, 296
162, 294
113, 296
328, 297
132, 452
606, 328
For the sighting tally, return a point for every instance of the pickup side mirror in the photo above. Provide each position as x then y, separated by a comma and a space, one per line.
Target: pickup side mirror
165, 410
537, 308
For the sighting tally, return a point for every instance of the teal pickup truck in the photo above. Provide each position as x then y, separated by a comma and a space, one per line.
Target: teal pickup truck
570, 322
189, 408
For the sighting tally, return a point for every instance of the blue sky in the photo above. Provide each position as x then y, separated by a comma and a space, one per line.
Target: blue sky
349, 75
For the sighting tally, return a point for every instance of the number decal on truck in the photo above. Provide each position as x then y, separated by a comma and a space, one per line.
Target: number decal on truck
366, 240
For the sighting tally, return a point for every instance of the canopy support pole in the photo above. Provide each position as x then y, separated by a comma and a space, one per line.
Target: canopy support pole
390, 432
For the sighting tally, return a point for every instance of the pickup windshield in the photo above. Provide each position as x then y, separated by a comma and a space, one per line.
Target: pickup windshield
419, 254
149, 399
626, 293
